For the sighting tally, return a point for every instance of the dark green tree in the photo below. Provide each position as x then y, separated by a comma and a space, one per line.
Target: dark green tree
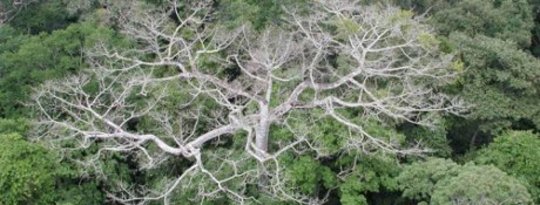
503, 19
501, 81
499, 76
36, 16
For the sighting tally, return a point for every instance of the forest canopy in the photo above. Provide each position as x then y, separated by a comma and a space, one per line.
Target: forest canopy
269, 102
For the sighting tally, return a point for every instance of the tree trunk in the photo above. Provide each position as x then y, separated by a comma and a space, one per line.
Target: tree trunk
262, 130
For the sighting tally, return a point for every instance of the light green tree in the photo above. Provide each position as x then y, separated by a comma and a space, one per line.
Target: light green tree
27, 172
443, 182
480, 185
418, 180
516, 153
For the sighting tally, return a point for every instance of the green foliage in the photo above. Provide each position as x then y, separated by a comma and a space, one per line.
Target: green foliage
27, 172
500, 78
10, 39
516, 153
503, 19
369, 174
535, 47
418, 179
308, 175
441, 181
433, 138
75, 193
27, 61
42, 16
346, 27
19, 126
326, 134
214, 163
480, 185
259, 13
423, 6
500, 81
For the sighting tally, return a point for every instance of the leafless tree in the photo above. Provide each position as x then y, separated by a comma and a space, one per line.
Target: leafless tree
339, 56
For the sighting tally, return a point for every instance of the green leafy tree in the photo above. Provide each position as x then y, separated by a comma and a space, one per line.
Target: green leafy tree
501, 81
29, 60
503, 19
308, 175
423, 6
434, 137
516, 153
37, 16
480, 185
418, 180
500, 77
260, 13
19, 126
441, 181
31, 174
75, 192
27, 172
369, 174
535, 42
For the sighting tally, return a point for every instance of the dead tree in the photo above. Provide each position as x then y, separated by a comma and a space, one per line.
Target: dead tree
339, 56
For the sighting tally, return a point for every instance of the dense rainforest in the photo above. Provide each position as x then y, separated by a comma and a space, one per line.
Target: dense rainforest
270, 102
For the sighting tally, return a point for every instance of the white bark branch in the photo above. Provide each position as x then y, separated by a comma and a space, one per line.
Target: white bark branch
374, 63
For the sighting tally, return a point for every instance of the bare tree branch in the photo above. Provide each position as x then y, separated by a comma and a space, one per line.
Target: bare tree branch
339, 57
